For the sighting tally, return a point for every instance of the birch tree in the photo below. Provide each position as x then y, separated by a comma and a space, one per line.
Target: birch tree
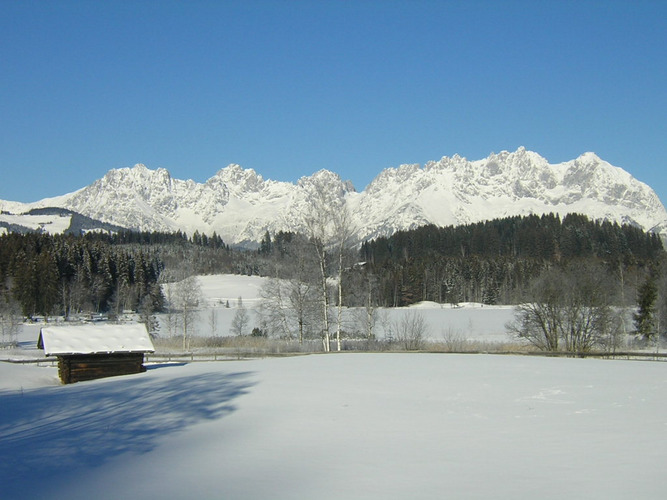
319, 230
188, 294
328, 226
369, 309
273, 308
342, 232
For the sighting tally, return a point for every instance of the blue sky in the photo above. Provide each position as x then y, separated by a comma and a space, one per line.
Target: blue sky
291, 87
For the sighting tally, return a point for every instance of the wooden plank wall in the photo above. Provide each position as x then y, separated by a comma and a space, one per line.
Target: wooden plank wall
80, 367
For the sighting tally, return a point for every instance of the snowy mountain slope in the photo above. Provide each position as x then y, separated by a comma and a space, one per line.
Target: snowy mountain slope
240, 206
456, 191
51, 220
20, 223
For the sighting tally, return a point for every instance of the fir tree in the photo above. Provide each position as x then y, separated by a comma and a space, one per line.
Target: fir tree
644, 318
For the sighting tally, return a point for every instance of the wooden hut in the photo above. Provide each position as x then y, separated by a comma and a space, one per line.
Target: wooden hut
91, 351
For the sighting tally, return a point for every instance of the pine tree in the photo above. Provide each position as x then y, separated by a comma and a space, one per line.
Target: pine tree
644, 318
46, 279
266, 246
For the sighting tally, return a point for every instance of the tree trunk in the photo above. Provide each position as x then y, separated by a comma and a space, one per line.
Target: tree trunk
339, 319
321, 253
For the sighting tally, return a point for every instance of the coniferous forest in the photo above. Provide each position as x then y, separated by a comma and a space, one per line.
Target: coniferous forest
491, 262
494, 262
64, 274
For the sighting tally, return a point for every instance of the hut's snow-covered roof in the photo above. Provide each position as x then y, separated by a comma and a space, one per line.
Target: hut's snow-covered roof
94, 339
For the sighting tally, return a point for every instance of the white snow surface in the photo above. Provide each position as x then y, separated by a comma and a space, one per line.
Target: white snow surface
340, 425
463, 322
352, 426
52, 224
240, 206
95, 338
218, 289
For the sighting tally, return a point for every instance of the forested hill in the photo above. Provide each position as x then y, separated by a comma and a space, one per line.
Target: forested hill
542, 237
43, 274
494, 261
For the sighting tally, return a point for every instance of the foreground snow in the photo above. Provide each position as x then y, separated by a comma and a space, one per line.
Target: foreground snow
340, 426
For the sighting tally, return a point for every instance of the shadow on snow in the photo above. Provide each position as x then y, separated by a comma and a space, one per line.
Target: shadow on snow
47, 431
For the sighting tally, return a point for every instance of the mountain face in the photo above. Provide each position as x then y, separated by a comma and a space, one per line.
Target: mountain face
240, 206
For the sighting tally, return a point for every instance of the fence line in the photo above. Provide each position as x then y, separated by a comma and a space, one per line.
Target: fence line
32, 361
193, 357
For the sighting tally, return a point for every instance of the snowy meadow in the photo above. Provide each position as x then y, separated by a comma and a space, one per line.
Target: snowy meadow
466, 322
340, 425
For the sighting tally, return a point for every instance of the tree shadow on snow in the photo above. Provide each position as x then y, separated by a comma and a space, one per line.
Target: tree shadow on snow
48, 431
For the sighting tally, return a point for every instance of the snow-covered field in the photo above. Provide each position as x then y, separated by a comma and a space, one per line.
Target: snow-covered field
52, 224
340, 425
468, 321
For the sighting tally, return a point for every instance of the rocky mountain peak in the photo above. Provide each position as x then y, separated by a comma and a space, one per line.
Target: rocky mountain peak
236, 179
240, 206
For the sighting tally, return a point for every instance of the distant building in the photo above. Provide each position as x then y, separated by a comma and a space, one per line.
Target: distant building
92, 351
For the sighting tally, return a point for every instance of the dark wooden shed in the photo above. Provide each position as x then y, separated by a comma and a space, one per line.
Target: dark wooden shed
92, 351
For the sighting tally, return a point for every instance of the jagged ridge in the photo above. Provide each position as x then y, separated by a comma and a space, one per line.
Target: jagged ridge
240, 206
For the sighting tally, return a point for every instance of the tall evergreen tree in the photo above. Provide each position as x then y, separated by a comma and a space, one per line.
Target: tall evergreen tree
644, 318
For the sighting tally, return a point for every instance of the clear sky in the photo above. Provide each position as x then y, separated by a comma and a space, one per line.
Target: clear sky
290, 87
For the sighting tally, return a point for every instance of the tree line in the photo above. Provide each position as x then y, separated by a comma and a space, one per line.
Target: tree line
104, 273
64, 274
494, 262
314, 275
572, 279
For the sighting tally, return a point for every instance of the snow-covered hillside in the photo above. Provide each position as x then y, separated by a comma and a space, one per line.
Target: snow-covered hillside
240, 206
51, 220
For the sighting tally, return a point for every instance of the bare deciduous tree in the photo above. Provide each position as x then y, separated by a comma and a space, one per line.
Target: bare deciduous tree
241, 319
288, 308
213, 321
273, 308
570, 308
411, 330
319, 230
10, 320
187, 294
290, 305
365, 292
342, 232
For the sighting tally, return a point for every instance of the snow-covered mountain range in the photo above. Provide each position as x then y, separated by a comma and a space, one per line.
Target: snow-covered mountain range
240, 206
